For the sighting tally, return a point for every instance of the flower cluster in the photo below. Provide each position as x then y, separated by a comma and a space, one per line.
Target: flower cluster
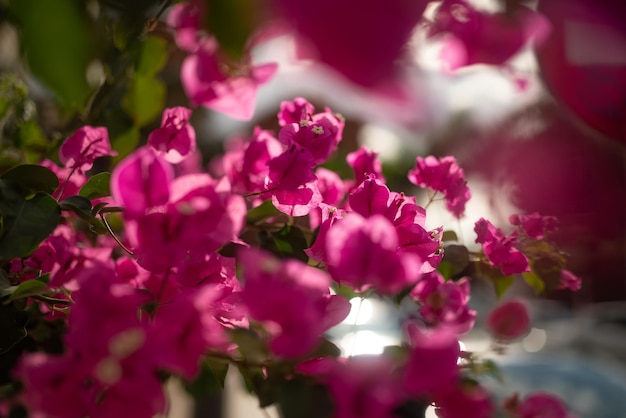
182, 279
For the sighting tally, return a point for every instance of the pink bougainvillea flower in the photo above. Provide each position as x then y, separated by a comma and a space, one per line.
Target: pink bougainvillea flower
364, 387
85, 145
542, 405
509, 321
329, 215
500, 249
295, 111
365, 163
444, 302
70, 185
445, 176
293, 299
432, 365
364, 254
186, 328
185, 19
534, 225
569, 280
363, 43
233, 94
141, 182
176, 138
319, 134
464, 401
474, 37
291, 169
297, 202
245, 163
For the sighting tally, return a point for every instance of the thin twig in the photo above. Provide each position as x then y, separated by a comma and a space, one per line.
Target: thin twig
108, 227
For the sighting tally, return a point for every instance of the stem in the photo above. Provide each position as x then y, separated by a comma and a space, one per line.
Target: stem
356, 320
108, 227
72, 171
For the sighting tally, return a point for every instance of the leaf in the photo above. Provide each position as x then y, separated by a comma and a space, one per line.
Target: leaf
210, 379
232, 23
302, 398
28, 288
78, 204
288, 242
12, 327
455, 261
250, 345
125, 143
449, 236
58, 46
325, 349
32, 178
502, 284
152, 56
534, 281
26, 223
145, 99
262, 212
96, 187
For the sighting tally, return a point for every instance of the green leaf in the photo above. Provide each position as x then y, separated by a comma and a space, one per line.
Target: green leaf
26, 222
262, 212
125, 143
28, 288
232, 23
449, 236
250, 345
534, 281
288, 242
300, 397
502, 284
210, 379
152, 56
12, 327
145, 99
325, 349
32, 178
58, 46
455, 261
78, 204
96, 187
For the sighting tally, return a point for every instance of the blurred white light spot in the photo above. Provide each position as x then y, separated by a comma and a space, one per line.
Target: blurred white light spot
430, 412
383, 141
463, 348
535, 340
360, 313
365, 342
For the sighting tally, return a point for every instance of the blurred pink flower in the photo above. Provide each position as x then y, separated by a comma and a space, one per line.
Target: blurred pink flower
534, 225
509, 321
176, 138
445, 176
233, 93
85, 145
569, 280
444, 302
292, 299
542, 405
365, 163
500, 249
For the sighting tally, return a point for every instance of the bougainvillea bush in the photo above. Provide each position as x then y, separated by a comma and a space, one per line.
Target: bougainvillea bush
123, 266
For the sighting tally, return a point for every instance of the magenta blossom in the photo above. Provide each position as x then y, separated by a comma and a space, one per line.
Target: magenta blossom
464, 401
141, 182
365, 163
85, 145
234, 94
363, 252
534, 225
364, 387
509, 321
500, 249
541, 405
445, 176
444, 302
432, 366
475, 37
292, 299
185, 19
295, 111
569, 280
176, 138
